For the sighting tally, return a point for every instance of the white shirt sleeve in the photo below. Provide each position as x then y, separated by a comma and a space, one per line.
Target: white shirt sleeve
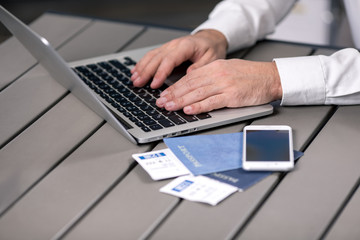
243, 22
321, 79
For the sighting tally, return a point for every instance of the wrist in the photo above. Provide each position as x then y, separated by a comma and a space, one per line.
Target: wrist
216, 38
276, 89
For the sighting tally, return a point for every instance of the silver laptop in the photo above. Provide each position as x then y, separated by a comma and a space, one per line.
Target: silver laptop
103, 84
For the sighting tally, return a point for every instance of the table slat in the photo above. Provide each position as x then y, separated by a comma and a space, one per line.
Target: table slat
347, 225
267, 51
74, 186
15, 59
308, 198
30, 95
39, 148
103, 37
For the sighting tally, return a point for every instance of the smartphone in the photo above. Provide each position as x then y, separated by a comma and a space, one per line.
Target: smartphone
268, 147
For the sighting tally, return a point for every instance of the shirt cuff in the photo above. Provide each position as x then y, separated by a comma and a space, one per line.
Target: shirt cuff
302, 80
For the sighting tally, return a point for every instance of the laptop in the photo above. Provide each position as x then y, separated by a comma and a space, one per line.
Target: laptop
103, 84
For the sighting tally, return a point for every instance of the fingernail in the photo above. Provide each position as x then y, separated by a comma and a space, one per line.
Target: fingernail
134, 76
169, 105
135, 82
154, 80
164, 93
161, 101
187, 109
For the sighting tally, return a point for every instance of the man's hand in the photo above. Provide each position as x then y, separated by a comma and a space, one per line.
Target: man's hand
201, 48
223, 83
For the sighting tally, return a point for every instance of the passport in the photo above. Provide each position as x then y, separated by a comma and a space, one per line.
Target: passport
206, 154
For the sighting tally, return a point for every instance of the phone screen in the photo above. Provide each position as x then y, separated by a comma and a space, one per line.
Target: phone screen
267, 146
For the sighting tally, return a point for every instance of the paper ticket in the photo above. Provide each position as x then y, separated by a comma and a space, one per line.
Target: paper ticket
199, 189
161, 164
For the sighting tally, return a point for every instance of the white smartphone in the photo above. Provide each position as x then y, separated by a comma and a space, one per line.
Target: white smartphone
268, 147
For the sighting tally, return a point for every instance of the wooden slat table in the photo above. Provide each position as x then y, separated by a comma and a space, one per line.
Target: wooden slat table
66, 174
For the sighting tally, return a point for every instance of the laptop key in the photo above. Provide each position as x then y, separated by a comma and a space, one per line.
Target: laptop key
143, 117
129, 61
115, 95
141, 104
152, 112
129, 94
177, 119
138, 113
138, 90
189, 118
203, 116
133, 119
82, 69
120, 99
115, 105
158, 117
131, 108
109, 100
146, 129
135, 99
149, 122
125, 103
115, 84
121, 109
118, 64
105, 65
109, 91
146, 107
139, 124
166, 113
121, 78
166, 123
155, 127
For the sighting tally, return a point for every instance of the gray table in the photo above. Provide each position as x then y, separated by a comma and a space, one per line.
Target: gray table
65, 173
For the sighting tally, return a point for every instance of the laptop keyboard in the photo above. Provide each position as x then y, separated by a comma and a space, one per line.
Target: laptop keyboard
111, 81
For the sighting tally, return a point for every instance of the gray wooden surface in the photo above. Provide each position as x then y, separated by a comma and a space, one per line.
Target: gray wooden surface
65, 173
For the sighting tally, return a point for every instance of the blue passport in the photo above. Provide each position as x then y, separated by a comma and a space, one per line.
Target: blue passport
206, 154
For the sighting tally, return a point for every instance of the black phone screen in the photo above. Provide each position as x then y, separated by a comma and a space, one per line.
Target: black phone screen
267, 145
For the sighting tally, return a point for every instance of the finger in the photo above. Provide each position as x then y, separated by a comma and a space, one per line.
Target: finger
160, 64
198, 94
194, 80
139, 68
143, 61
166, 67
206, 105
204, 60
178, 89
147, 72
